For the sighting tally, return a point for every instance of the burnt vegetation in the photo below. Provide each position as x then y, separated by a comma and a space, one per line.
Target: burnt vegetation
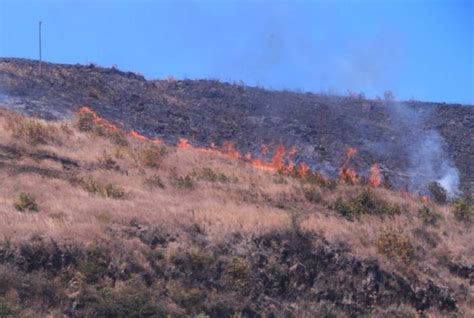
206, 111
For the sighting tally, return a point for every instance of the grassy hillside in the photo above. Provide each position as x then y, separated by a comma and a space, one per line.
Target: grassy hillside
99, 222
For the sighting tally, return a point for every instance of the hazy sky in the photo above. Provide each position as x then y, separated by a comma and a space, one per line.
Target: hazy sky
419, 49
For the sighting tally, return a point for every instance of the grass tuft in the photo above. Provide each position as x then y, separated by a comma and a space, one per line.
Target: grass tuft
25, 203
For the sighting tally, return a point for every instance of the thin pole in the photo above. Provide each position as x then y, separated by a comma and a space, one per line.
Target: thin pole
40, 47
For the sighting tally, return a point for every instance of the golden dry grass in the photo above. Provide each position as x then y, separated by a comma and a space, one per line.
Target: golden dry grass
257, 202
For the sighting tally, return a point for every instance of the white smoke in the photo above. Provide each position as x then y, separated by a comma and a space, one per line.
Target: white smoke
425, 147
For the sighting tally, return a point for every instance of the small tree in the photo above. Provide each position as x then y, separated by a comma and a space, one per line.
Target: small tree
439, 194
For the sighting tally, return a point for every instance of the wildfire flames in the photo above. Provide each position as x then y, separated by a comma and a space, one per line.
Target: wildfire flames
425, 199
375, 178
111, 127
282, 160
346, 173
97, 119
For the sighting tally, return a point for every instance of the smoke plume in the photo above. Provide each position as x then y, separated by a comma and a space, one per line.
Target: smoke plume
425, 149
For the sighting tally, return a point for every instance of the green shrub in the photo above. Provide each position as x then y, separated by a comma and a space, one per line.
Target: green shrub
312, 194
439, 194
189, 298
117, 137
154, 182
127, 302
108, 190
395, 246
239, 271
107, 162
462, 209
428, 216
187, 182
317, 179
85, 121
95, 266
365, 203
26, 202
152, 156
90, 185
7, 309
207, 174
113, 191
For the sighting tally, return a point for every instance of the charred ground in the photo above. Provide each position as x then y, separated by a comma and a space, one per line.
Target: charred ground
321, 127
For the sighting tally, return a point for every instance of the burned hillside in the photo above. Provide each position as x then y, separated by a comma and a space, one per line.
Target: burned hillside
414, 143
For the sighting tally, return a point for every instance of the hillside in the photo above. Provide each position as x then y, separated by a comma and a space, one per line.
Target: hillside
414, 143
103, 222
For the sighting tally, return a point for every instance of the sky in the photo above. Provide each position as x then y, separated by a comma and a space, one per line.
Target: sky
418, 49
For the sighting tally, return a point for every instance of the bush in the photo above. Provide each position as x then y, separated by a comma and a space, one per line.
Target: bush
365, 203
26, 202
316, 178
439, 194
95, 266
239, 271
127, 302
107, 162
7, 309
113, 191
312, 195
152, 156
108, 190
189, 298
117, 137
207, 174
462, 210
85, 121
428, 216
154, 182
187, 182
395, 246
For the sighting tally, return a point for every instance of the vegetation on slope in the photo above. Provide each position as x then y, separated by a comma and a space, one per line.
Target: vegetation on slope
99, 223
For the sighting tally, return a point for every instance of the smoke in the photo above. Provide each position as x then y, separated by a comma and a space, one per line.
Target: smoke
425, 149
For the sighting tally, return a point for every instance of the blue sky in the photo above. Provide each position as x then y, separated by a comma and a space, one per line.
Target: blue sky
418, 49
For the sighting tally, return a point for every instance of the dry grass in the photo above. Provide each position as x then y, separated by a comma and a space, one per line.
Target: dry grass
209, 204
227, 197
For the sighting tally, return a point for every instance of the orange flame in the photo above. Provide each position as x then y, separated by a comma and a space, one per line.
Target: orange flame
346, 173
425, 199
228, 149
282, 160
375, 178
136, 135
107, 125
303, 170
97, 119
183, 144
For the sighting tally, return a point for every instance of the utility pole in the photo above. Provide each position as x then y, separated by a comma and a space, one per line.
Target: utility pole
39, 47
